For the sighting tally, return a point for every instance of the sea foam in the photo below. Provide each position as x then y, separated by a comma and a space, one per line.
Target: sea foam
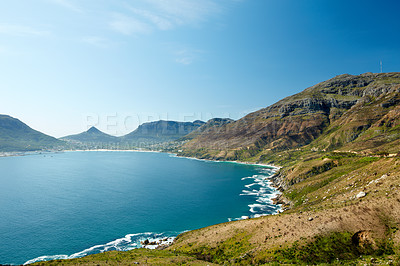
263, 192
128, 242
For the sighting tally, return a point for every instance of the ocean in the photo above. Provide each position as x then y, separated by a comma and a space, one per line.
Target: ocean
71, 204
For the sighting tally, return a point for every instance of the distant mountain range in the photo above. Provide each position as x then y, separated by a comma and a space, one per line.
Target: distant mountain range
160, 131
358, 112
17, 136
337, 144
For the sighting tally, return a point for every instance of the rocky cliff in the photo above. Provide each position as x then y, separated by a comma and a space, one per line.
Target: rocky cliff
160, 131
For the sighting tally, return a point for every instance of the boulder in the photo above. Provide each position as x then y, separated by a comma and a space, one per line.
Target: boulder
363, 240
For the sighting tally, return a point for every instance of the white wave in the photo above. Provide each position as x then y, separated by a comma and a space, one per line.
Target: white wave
252, 184
254, 206
264, 194
262, 190
128, 242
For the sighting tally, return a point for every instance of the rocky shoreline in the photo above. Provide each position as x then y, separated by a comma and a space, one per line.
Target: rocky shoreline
280, 199
277, 181
158, 244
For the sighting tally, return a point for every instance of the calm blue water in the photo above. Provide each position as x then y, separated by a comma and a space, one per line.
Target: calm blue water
87, 202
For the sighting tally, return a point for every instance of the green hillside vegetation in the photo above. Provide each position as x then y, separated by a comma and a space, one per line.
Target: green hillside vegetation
133, 257
17, 136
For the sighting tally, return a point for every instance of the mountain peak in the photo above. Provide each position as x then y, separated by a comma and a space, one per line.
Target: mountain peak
93, 129
92, 135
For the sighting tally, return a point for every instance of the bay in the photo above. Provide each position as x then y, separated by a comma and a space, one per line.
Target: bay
55, 205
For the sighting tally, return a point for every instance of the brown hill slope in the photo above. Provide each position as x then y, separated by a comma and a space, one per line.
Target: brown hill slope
341, 108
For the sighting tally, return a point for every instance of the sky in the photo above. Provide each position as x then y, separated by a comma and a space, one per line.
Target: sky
66, 65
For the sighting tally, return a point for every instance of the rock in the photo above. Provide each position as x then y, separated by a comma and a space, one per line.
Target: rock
146, 242
310, 219
363, 239
362, 194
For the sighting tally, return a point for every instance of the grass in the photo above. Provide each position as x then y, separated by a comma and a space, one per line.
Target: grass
136, 256
297, 195
235, 249
331, 248
323, 249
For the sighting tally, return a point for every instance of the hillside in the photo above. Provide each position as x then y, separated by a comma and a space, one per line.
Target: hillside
17, 136
160, 131
92, 135
213, 122
345, 109
338, 145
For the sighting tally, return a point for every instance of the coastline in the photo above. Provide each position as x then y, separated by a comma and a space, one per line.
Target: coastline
153, 244
275, 182
146, 240
27, 153
274, 179
225, 161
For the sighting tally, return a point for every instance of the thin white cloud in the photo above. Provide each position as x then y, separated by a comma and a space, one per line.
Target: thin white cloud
68, 4
20, 30
159, 21
147, 15
128, 25
185, 11
187, 56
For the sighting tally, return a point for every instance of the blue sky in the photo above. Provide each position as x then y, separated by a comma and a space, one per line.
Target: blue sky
69, 64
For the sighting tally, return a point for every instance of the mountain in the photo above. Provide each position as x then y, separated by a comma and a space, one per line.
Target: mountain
160, 131
214, 122
337, 145
92, 135
17, 136
343, 110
